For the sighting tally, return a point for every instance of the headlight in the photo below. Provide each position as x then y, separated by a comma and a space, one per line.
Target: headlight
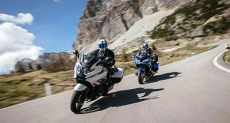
79, 68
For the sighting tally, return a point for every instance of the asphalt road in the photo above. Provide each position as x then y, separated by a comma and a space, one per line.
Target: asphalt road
188, 91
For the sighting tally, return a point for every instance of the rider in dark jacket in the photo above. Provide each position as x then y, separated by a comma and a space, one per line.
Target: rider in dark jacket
106, 58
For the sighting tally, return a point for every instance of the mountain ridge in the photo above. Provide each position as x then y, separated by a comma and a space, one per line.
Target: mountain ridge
110, 19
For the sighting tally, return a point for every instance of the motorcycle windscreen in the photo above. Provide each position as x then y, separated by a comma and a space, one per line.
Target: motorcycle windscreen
96, 75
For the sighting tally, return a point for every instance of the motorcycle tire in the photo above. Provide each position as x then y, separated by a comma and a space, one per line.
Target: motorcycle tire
140, 79
77, 102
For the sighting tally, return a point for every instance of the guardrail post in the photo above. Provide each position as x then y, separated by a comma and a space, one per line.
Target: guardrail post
228, 47
48, 90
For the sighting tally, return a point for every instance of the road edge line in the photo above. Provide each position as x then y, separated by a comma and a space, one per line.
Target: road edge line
218, 65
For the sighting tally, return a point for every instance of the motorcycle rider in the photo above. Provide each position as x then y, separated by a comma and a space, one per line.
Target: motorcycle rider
150, 54
106, 58
103, 54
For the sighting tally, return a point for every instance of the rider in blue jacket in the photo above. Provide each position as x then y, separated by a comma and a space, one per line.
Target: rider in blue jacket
150, 54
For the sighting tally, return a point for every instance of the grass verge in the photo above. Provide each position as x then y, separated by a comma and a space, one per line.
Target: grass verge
227, 57
19, 88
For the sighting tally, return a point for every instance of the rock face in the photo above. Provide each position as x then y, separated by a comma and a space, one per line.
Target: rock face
51, 62
111, 18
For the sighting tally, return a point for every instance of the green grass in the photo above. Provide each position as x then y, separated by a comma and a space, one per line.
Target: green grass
19, 88
227, 57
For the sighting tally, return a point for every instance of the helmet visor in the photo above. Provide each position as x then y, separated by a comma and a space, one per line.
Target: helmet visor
102, 45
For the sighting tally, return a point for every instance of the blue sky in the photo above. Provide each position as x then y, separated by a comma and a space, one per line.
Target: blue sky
55, 21
30, 27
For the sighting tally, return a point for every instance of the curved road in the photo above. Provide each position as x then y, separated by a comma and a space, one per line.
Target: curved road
189, 91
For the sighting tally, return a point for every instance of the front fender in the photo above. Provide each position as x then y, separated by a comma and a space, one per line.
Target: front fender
141, 70
80, 87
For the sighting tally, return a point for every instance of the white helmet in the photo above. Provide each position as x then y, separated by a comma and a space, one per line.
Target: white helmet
103, 44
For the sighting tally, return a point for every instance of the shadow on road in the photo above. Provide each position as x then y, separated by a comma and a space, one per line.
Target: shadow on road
163, 77
121, 98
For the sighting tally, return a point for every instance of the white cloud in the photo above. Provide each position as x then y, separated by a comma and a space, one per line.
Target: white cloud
9, 59
16, 43
21, 18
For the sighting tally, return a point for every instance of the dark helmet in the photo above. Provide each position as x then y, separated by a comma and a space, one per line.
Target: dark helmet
145, 45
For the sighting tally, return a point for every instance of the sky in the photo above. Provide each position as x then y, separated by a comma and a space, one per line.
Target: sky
29, 28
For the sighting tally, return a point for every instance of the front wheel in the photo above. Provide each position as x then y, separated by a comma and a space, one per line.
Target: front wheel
140, 78
77, 102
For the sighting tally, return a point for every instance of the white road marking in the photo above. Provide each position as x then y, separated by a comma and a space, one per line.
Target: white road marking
218, 65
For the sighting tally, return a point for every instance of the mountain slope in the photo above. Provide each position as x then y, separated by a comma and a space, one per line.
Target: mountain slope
110, 19
198, 18
130, 22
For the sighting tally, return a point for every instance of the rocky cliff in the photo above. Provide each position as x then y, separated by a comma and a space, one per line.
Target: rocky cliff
111, 18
